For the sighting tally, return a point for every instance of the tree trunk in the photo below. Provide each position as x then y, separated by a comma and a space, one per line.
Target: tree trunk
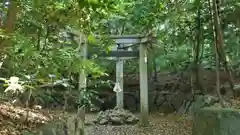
197, 49
220, 43
215, 48
11, 18
8, 26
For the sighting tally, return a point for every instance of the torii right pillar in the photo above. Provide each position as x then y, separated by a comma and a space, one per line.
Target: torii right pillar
144, 121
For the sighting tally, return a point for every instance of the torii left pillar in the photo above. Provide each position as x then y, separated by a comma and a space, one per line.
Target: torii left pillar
119, 79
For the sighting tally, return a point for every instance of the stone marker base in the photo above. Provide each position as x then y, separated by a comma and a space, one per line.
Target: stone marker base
216, 121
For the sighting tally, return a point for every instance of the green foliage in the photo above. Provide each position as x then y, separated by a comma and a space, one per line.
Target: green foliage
39, 47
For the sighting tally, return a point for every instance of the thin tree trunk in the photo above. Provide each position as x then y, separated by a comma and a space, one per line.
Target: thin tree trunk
196, 52
220, 43
218, 77
217, 53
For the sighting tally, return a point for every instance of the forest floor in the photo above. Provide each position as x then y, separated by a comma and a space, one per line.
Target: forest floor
13, 119
159, 125
13, 122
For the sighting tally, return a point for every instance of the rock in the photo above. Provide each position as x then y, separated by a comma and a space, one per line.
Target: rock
37, 107
131, 102
178, 99
216, 121
115, 117
166, 108
116, 120
155, 99
184, 107
131, 120
210, 100
103, 121
200, 101
203, 101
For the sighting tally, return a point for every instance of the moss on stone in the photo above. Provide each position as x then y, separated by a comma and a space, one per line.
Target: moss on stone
216, 121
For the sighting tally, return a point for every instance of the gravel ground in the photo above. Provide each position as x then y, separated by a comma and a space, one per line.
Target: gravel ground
159, 125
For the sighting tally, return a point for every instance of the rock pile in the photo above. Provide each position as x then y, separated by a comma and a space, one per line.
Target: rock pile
115, 117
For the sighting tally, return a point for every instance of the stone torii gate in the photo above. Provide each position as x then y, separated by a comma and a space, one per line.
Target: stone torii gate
120, 53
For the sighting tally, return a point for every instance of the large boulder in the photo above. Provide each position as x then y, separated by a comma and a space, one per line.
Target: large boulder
199, 101
178, 99
216, 121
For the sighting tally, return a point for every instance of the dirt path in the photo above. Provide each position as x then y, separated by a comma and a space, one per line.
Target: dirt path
159, 125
